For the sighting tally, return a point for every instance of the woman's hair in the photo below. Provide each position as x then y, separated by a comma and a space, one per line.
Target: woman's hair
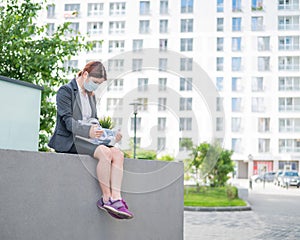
95, 69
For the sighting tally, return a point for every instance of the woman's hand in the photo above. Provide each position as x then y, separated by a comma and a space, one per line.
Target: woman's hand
95, 132
118, 137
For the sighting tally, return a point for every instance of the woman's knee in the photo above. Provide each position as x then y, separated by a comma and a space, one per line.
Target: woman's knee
117, 154
103, 151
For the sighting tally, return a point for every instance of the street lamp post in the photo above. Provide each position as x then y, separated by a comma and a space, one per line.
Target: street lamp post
135, 105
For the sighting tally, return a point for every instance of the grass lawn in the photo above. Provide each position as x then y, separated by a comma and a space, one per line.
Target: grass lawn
209, 197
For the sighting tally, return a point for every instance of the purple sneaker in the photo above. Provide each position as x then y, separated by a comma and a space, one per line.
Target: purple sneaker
119, 208
100, 205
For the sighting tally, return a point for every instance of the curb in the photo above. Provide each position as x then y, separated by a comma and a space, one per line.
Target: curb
218, 209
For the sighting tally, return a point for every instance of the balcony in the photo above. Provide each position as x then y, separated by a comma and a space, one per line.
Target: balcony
289, 47
71, 14
288, 67
288, 7
284, 26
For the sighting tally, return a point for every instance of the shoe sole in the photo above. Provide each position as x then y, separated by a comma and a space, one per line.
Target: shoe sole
118, 213
111, 214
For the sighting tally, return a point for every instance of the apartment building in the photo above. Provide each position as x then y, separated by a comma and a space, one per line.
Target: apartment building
202, 70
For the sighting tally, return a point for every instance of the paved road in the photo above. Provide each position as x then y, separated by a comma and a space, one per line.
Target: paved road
275, 216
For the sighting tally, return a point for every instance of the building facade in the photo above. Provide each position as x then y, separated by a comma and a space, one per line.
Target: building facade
202, 70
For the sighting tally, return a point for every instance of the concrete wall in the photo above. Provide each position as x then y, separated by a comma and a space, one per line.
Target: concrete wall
53, 196
20, 114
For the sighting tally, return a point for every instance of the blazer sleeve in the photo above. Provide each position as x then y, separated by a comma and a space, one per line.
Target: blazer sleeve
64, 101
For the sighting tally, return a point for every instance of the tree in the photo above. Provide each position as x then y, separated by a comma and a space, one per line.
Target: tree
27, 53
212, 161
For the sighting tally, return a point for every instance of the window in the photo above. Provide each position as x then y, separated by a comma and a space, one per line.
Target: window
236, 64
50, 29
116, 46
219, 83
220, 44
236, 6
72, 7
236, 44
183, 142
71, 66
220, 5
97, 46
94, 28
257, 23
144, 26
289, 125
117, 122
289, 104
236, 123
288, 5
220, 63
114, 104
161, 143
186, 25
289, 63
142, 84
257, 5
237, 84
138, 123
289, 145
186, 64
137, 64
289, 84
162, 103
185, 124
219, 104
137, 45
220, 24
263, 145
219, 124
144, 7
263, 63
288, 23
163, 26
185, 104
163, 44
117, 27
161, 124
117, 8
236, 145
185, 84
236, 104
95, 9
186, 44
236, 24
257, 84
162, 84
115, 65
287, 43
51, 11
144, 102
258, 104
163, 64
263, 43
164, 6
73, 29
115, 85
263, 125
187, 6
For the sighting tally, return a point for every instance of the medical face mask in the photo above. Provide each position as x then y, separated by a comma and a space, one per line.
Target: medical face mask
90, 86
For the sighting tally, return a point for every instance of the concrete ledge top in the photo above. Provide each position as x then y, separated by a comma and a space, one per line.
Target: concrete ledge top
218, 209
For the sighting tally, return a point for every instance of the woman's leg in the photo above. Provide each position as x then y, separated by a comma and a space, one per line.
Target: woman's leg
116, 172
104, 156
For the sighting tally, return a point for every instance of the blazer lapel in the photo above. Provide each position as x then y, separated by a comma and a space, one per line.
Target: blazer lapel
77, 107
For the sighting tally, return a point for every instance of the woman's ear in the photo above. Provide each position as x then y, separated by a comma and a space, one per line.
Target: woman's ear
85, 74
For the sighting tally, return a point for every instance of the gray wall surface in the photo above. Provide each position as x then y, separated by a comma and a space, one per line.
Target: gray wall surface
53, 196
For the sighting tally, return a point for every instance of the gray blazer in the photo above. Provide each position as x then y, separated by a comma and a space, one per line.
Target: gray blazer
68, 113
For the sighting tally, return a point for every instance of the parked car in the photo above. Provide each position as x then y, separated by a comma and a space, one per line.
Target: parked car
267, 177
295, 182
286, 177
276, 180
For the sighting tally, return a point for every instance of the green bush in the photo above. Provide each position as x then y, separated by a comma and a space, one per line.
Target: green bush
166, 158
232, 192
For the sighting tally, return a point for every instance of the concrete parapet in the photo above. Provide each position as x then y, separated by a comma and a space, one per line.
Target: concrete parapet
53, 196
